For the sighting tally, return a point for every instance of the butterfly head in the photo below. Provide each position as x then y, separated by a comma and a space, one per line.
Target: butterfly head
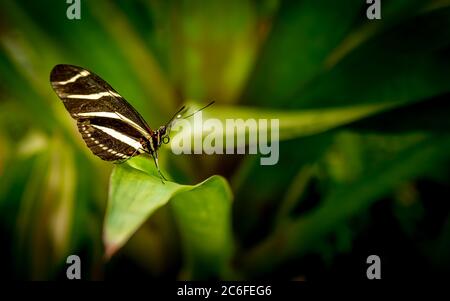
162, 135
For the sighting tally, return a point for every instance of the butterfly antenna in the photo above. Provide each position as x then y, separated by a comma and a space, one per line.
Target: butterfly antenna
190, 115
175, 115
179, 113
169, 124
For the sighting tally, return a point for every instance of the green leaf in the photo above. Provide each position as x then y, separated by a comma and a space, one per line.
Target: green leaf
296, 237
413, 67
429, 115
203, 213
303, 35
292, 124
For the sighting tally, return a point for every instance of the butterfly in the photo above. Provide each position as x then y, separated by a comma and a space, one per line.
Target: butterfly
111, 128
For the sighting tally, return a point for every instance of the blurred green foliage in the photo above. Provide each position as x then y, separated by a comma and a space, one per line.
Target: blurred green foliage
364, 128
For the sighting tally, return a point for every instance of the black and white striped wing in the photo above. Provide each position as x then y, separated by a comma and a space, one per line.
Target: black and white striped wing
110, 126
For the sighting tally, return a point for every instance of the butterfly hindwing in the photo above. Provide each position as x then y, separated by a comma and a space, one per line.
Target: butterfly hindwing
108, 143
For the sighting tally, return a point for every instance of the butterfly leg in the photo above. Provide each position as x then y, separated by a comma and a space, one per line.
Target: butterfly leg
155, 158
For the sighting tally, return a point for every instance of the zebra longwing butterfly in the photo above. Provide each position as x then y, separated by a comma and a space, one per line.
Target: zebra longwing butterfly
111, 128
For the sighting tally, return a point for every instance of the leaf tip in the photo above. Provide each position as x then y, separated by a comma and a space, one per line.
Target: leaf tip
110, 250
110, 247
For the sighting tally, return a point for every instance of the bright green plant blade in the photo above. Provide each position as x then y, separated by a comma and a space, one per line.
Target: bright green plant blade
203, 216
291, 124
203, 212
429, 115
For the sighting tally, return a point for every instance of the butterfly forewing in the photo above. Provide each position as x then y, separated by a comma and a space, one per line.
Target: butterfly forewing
109, 125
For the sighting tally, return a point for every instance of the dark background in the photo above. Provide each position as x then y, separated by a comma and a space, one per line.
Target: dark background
375, 185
